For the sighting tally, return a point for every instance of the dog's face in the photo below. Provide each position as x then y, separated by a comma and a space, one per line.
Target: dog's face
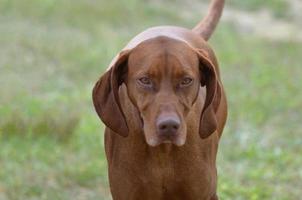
163, 77
163, 81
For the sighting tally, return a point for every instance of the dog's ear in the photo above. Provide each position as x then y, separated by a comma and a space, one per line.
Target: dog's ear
106, 95
209, 79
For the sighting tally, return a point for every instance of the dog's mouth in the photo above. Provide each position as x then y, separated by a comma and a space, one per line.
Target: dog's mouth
158, 140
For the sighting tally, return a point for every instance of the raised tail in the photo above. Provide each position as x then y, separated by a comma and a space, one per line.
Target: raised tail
207, 26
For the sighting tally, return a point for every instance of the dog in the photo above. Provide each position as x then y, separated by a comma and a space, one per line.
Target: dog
164, 107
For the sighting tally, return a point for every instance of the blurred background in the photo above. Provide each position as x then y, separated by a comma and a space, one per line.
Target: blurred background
53, 51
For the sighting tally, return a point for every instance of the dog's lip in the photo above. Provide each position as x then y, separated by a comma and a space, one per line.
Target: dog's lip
157, 140
175, 140
155, 143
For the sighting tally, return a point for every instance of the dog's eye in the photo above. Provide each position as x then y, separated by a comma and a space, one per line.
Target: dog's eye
145, 81
186, 82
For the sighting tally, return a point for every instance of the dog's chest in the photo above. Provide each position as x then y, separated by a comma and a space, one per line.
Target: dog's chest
172, 174
162, 170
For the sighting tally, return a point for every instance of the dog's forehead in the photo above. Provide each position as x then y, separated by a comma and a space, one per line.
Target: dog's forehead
160, 49
161, 44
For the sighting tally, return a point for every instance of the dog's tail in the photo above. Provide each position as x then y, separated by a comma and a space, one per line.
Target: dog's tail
207, 26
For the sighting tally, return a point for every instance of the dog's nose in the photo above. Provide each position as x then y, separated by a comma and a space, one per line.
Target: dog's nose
168, 127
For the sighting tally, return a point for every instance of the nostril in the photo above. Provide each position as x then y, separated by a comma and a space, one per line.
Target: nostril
176, 126
162, 127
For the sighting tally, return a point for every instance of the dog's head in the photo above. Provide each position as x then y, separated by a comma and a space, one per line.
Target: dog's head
163, 77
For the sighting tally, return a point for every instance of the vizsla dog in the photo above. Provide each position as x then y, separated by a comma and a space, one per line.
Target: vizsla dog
164, 108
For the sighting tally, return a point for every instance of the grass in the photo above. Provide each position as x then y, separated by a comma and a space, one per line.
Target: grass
278, 7
42, 168
52, 52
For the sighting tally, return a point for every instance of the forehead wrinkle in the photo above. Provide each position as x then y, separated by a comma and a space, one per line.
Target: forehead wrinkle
158, 66
182, 66
163, 67
141, 63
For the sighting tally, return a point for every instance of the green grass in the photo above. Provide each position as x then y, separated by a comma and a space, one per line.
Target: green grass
278, 7
40, 167
51, 142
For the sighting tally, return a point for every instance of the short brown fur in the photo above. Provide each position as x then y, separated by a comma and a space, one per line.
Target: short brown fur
163, 73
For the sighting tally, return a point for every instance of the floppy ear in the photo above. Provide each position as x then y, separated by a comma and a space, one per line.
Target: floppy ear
106, 98
208, 121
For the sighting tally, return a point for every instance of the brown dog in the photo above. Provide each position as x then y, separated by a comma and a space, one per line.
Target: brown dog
164, 108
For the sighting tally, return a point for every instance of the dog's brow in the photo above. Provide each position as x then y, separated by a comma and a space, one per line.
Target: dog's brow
188, 72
